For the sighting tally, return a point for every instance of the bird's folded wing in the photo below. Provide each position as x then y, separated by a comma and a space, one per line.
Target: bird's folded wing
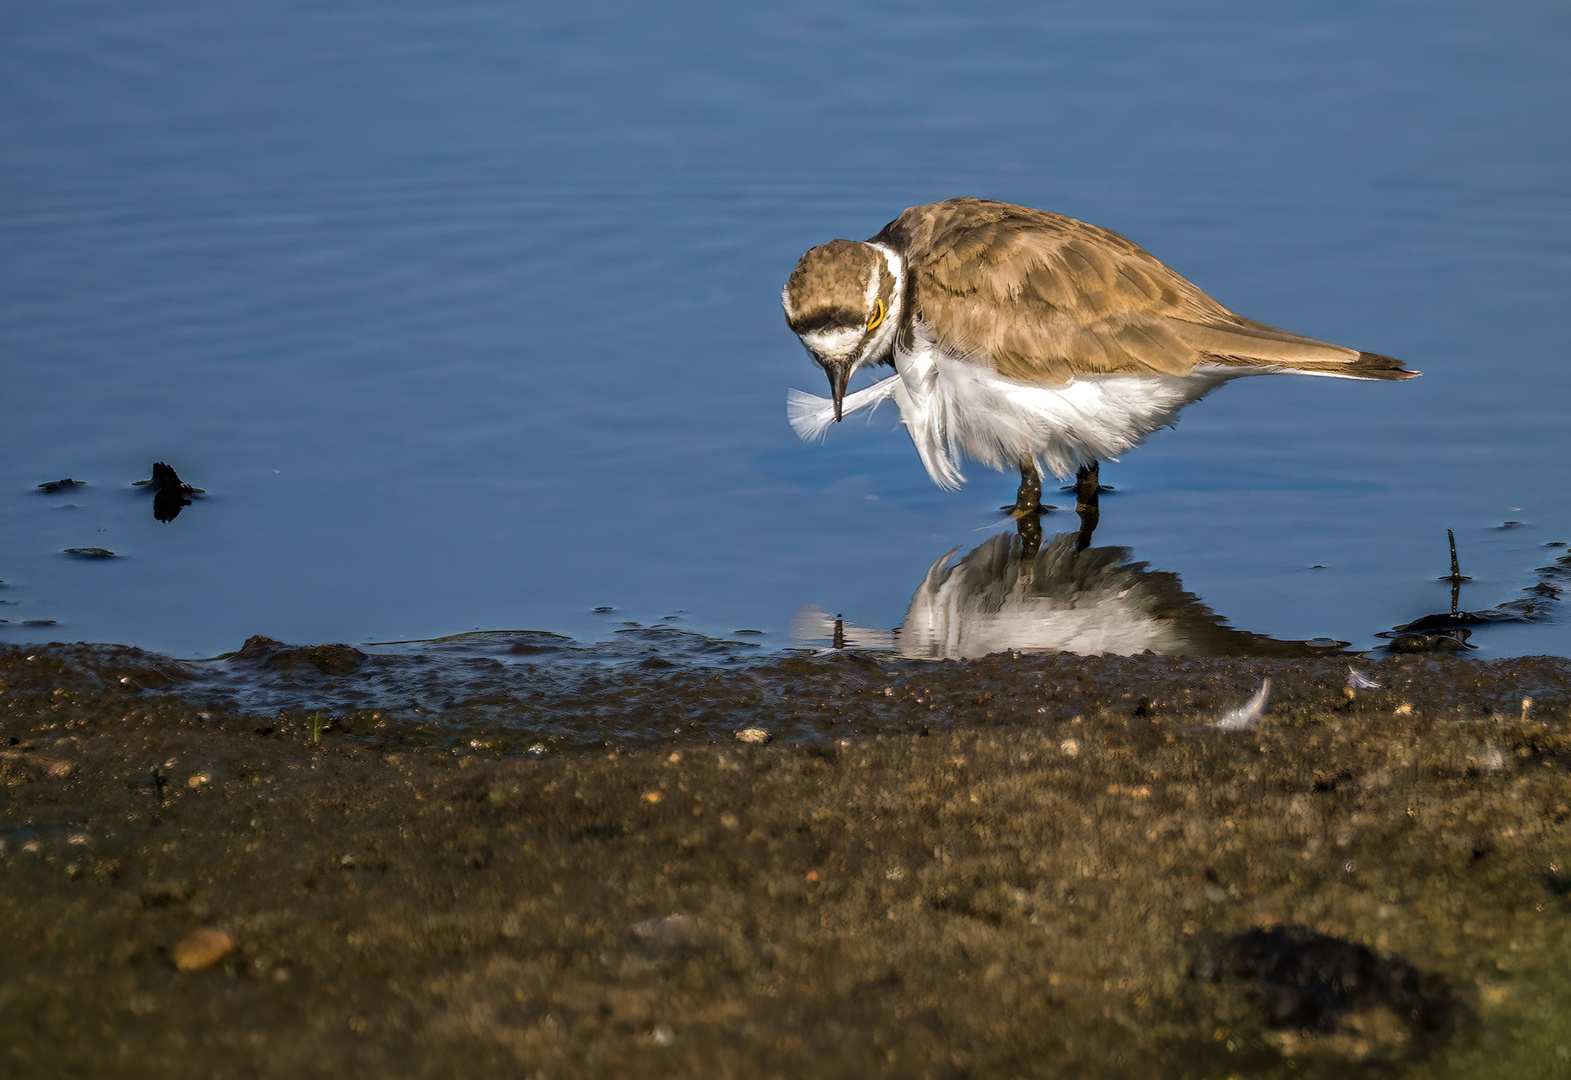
1047, 299
1251, 345
811, 415
1259, 343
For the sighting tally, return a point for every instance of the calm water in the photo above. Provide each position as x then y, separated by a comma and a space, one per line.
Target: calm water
466, 316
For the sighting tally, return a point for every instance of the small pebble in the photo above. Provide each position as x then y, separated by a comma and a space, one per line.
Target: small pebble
202, 948
1427, 643
668, 932
756, 735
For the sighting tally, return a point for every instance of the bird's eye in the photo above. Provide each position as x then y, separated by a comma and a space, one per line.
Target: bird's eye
877, 316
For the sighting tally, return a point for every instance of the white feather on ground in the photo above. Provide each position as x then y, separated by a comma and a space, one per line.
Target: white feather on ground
1249, 713
1357, 680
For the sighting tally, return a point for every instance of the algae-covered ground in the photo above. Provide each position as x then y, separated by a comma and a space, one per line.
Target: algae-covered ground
1016, 866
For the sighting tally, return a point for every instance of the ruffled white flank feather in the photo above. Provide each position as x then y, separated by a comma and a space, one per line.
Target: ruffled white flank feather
811, 415
955, 408
961, 408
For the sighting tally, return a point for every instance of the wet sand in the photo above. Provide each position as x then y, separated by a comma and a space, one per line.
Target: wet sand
1013, 866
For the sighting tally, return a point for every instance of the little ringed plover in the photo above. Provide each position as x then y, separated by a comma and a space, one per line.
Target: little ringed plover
1024, 338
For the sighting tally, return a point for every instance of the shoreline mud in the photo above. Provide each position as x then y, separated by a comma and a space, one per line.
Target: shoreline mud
1023, 865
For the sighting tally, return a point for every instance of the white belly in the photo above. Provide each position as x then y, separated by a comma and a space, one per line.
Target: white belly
956, 409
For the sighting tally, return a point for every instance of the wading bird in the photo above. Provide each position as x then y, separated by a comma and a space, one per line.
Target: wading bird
1023, 338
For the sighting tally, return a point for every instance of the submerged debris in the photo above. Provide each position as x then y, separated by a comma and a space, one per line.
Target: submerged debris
91, 553
273, 655
1447, 631
49, 487
1413, 644
170, 493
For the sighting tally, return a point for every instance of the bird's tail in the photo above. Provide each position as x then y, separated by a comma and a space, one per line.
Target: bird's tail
1368, 365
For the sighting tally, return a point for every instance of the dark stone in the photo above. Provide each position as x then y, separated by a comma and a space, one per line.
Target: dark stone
273, 655
1312, 982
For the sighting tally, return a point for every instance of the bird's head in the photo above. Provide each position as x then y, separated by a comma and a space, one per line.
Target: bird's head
843, 300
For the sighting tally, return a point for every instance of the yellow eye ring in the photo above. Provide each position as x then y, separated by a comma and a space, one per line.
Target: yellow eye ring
877, 316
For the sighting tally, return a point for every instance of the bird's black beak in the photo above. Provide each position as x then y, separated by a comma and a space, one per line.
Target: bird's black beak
839, 372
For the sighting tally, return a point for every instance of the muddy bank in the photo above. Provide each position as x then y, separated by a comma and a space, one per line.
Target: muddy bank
1051, 866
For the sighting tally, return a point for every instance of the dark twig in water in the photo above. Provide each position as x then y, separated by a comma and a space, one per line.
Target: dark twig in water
1455, 577
170, 493
1446, 632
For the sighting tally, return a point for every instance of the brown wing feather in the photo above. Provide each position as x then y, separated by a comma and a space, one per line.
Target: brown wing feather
1045, 297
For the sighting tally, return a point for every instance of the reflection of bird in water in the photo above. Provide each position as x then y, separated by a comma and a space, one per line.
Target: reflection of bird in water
1023, 338
1066, 600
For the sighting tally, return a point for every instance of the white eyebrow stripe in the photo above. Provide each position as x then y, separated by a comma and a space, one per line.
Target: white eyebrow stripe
896, 271
871, 292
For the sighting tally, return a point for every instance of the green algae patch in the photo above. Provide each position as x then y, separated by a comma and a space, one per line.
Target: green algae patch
1025, 867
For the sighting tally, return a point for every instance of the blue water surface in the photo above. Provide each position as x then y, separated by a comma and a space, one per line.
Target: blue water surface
466, 315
